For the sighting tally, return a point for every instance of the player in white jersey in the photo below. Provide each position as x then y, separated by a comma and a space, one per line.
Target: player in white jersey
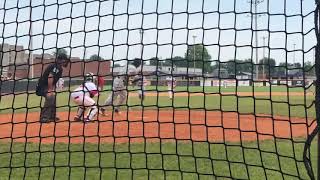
119, 86
171, 83
82, 96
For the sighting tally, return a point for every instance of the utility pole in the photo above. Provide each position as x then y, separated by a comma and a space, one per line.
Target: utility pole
141, 40
314, 55
194, 54
264, 56
255, 6
31, 73
294, 55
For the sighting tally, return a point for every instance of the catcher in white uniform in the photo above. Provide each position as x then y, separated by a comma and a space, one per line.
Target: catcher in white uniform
171, 83
119, 86
60, 84
82, 96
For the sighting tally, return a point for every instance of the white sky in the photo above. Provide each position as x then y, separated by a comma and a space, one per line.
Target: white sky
111, 29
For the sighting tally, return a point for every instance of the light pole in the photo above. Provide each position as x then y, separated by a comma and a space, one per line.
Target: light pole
294, 55
194, 54
264, 55
141, 40
255, 6
31, 73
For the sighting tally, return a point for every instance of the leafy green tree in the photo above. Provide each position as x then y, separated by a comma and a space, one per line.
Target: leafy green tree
95, 57
198, 56
179, 61
282, 68
116, 65
154, 61
268, 64
309, 69
236, 66
247, 66
297, 65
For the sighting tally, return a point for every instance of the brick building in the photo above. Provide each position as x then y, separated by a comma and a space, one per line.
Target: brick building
14, 63
11, 54
77, 68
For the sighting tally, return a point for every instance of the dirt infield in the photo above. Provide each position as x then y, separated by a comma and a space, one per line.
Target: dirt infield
134, 126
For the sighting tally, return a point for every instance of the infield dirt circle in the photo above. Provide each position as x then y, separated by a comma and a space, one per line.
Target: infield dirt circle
138, 126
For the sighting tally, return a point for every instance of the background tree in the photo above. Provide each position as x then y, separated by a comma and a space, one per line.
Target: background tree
198, 55
309, 69
282, 68
236, 66
116, 65
247, 66
179, 61
154, 61
95, 57
168, 62
269, 66
143, 61
297, 65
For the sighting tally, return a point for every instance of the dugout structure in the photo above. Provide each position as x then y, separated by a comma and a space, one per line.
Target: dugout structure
266, 130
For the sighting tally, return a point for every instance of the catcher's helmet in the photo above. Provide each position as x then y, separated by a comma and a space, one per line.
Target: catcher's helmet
89, 77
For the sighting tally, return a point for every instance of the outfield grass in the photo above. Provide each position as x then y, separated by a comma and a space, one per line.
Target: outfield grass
154, 160
227, 89
231, 89
278, 105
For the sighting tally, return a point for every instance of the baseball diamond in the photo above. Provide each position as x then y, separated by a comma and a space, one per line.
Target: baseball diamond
159, 89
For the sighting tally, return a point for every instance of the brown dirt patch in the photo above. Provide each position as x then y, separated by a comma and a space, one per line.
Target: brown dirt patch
135, 126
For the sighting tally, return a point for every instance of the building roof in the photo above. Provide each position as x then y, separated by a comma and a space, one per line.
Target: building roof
164, 69
244, 73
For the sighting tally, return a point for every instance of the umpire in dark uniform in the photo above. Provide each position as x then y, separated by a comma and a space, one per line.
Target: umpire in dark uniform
46, 88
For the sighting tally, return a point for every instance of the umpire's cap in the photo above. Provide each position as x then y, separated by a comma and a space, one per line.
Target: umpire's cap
137, 62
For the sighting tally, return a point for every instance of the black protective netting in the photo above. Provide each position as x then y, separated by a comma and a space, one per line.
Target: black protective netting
226, 89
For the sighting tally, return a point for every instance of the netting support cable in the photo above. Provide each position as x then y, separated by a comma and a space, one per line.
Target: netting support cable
317, 84
306, 151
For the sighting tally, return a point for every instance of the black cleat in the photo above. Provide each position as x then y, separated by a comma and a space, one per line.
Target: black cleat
44, 120
77, 119
117, 111
103, 112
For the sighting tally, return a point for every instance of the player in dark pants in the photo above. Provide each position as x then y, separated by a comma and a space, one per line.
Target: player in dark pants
46, 88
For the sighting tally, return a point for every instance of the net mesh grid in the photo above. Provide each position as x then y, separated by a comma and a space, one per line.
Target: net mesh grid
225, 131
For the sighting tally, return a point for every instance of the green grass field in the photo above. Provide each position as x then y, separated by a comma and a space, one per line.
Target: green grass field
294, 106
230, 89
268, 159
198, 160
